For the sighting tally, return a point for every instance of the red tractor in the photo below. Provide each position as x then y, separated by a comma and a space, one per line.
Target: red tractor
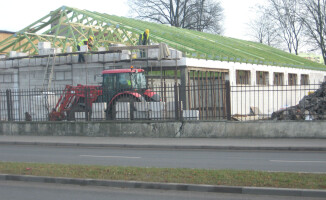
118, 85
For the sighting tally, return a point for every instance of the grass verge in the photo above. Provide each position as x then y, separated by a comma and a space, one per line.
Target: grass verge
171, 175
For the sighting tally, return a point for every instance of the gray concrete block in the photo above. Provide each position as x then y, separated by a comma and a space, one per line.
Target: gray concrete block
109, 57
156, 114
44, 45
68, 59
141, 106
44, 61
101, 57
95, 57
141, 114
122, 107
190, 114
98, 110
80, 115
153, 53
62, 59
170, 106
8, 63
175, 54
12, 54
15, 63
156, 106
38, 61
101, 49
32, 62
2, 64
124, 57
21, 54
88, 58
24, 62
74, 58
122, 115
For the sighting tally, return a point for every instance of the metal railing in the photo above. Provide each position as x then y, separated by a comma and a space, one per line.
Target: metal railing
278, 102
166, 102
196, 101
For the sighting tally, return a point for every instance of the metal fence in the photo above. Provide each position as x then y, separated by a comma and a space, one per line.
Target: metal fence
196, 101
279, 102
171, 102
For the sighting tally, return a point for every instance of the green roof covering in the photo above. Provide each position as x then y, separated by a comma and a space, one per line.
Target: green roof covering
66, 26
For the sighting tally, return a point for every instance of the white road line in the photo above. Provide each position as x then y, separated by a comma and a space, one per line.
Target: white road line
299, 161
94, 156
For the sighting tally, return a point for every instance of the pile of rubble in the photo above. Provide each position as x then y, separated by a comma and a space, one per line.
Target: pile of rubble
310, 107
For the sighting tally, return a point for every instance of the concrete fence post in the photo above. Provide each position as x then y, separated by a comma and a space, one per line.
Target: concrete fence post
228, 99
176, 101
9, 104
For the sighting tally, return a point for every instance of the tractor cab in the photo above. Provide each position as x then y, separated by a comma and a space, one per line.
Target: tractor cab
125, 85
124, 79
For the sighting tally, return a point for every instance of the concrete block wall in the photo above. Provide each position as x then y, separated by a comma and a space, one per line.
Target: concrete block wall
31, 70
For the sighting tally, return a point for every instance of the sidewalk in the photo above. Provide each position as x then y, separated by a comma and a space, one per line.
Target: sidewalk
171, 143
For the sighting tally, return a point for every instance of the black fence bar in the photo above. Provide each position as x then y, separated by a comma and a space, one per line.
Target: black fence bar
228, 100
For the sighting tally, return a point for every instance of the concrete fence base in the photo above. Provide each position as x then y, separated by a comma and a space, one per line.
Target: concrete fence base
203, 129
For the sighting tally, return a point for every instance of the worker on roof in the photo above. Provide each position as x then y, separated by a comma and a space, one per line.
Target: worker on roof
144, 40
89, 43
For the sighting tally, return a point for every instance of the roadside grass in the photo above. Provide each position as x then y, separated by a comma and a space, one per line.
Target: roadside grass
171, 175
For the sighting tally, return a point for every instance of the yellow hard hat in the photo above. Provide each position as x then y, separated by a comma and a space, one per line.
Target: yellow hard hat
91, 37
147, 31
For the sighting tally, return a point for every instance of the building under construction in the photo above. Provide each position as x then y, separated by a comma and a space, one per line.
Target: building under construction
43, 56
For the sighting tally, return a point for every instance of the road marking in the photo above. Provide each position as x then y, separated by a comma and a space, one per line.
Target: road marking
94, 156
299, 161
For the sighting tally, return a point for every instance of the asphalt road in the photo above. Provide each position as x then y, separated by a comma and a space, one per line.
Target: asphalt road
208, 159
40, 191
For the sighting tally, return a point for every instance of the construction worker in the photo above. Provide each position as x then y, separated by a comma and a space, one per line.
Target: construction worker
89, 43
144, 40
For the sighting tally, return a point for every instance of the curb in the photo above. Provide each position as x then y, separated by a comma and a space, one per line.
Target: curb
149, 146
168, 186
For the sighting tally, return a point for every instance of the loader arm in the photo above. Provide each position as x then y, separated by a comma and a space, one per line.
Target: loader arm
74, 99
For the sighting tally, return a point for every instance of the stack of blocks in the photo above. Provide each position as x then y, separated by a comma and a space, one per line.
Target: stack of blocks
122, 110
156, 110
98, 110
141, 110
44, 48
190, 114
12, 54
149, 110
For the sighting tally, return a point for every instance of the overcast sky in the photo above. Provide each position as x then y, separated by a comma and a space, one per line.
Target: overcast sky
17, 14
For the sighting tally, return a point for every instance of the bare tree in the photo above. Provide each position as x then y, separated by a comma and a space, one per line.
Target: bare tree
284, 14
201, 15
314, 19
262, 29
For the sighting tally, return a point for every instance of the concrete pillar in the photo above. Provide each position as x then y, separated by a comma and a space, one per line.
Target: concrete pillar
271, 78
253, 77
184, 83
